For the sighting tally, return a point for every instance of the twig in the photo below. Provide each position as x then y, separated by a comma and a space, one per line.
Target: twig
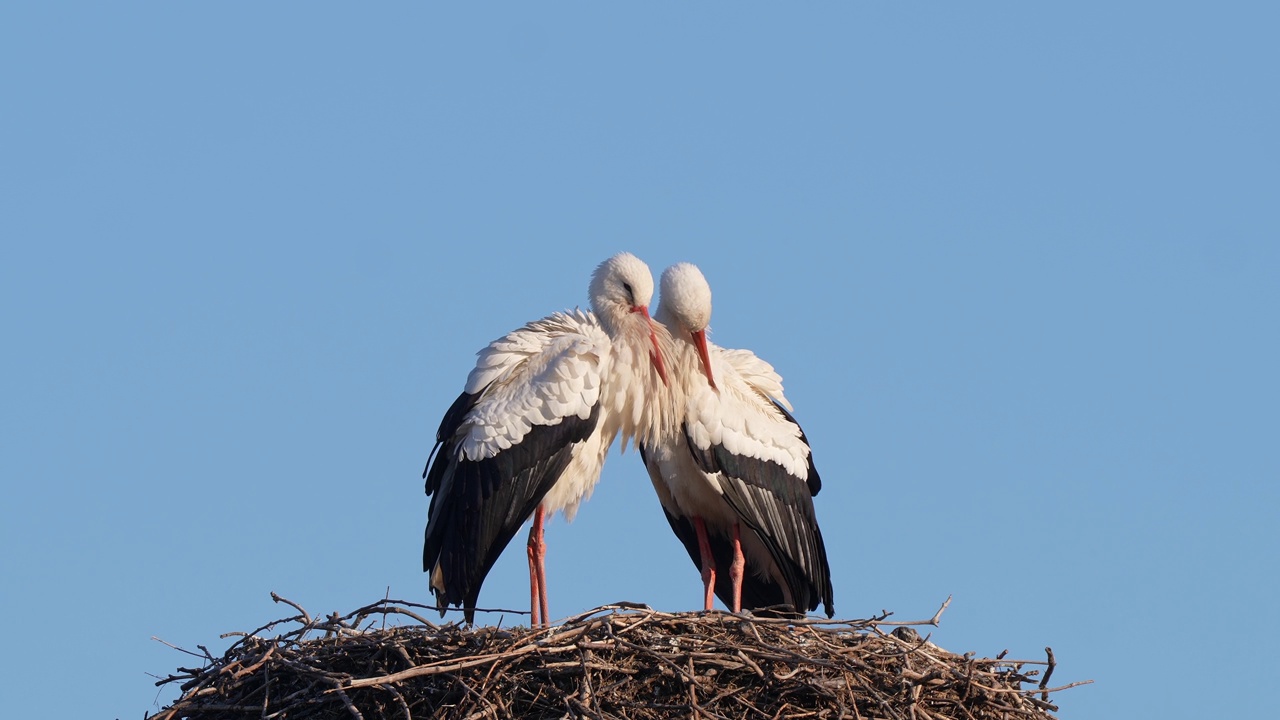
1044, 681
175, 647
305, 617
934, 621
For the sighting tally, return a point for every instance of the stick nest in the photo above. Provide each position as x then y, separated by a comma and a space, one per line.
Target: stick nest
618, 661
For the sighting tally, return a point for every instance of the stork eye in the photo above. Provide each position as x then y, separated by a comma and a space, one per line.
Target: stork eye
627, 286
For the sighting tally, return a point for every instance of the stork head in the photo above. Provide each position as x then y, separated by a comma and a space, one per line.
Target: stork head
622, 287
686, 308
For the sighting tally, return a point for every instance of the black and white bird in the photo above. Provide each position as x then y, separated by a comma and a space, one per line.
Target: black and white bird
529, 434
735, 476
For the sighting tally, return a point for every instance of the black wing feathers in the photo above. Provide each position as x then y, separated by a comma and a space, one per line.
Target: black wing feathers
483, 503
815, 482
453, 418
778, 506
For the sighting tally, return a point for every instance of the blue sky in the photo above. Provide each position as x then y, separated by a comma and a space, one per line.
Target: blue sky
1018, 263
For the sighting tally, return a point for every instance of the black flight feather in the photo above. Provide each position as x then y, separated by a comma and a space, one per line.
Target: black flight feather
477, 506
778, 507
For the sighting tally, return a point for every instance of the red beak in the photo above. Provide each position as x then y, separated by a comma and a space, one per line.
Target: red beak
656, 355
700, 342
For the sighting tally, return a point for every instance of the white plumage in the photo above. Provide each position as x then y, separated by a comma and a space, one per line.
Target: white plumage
735, 475
531, 429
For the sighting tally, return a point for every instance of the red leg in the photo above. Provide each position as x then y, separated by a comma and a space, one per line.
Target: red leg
536, 552
735, 570
708, 563
542, 580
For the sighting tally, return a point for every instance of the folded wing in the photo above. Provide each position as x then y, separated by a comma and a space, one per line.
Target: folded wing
531, 401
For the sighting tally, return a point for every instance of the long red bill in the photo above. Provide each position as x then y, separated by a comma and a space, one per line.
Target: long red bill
656, 355
700, 342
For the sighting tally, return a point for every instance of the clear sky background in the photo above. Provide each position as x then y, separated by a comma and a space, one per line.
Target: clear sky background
1018, 263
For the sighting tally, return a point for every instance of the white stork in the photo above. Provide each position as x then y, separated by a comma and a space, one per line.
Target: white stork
530, 431
735, 477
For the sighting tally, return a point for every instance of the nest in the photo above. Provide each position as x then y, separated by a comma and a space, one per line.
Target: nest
618, 661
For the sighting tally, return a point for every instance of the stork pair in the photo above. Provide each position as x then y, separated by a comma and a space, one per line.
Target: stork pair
529, 434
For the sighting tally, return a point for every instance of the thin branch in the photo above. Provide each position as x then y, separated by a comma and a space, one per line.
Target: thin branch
276, 598
1044, 682
175, 647
934, 621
